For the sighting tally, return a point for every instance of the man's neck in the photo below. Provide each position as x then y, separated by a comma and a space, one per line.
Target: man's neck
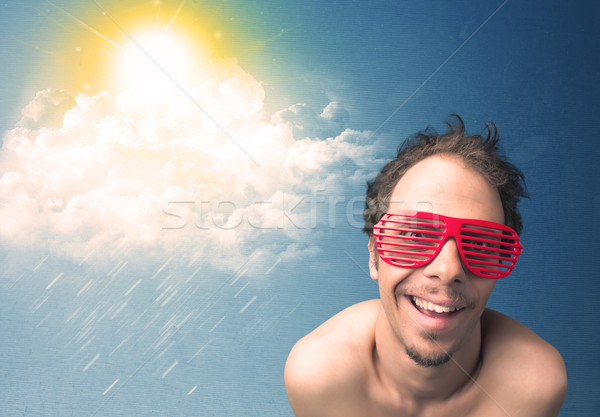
413, 383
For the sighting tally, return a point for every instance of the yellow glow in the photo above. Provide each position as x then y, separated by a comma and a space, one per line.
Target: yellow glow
137, 43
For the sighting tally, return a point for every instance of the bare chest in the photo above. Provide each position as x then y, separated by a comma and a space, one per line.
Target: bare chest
473, 402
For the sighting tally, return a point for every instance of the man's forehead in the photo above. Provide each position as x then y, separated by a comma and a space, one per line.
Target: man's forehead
446, 185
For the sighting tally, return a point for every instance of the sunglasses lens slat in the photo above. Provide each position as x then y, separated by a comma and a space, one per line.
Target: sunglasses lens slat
478, 249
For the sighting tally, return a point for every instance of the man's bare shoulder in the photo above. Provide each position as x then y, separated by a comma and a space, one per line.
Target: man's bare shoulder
533, 374
332, 361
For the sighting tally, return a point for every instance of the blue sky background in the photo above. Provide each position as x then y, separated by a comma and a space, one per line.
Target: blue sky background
151, 330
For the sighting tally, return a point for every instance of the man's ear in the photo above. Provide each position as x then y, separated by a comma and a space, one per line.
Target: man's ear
373, 259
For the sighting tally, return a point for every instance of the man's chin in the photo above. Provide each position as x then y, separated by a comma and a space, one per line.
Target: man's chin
428, 361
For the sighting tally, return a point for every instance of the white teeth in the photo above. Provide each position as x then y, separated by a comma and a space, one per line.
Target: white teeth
426, 305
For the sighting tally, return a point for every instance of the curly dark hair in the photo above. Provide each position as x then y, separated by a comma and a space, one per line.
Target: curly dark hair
481, 152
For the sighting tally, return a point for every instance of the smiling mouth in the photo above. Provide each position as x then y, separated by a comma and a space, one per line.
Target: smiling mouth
429, 307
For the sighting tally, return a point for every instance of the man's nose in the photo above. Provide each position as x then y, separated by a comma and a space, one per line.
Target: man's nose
447, 265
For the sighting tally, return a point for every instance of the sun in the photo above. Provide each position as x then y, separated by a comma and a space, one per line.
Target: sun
156, 60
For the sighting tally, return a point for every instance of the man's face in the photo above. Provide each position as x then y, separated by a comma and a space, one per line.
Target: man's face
446, 186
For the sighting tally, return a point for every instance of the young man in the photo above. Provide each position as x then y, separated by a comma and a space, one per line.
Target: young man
443, 226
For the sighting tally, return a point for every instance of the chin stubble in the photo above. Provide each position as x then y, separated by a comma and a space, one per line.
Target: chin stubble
428, 361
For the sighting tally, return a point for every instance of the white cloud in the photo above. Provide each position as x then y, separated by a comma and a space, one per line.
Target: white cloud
307, 123
46, 110
148, 172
